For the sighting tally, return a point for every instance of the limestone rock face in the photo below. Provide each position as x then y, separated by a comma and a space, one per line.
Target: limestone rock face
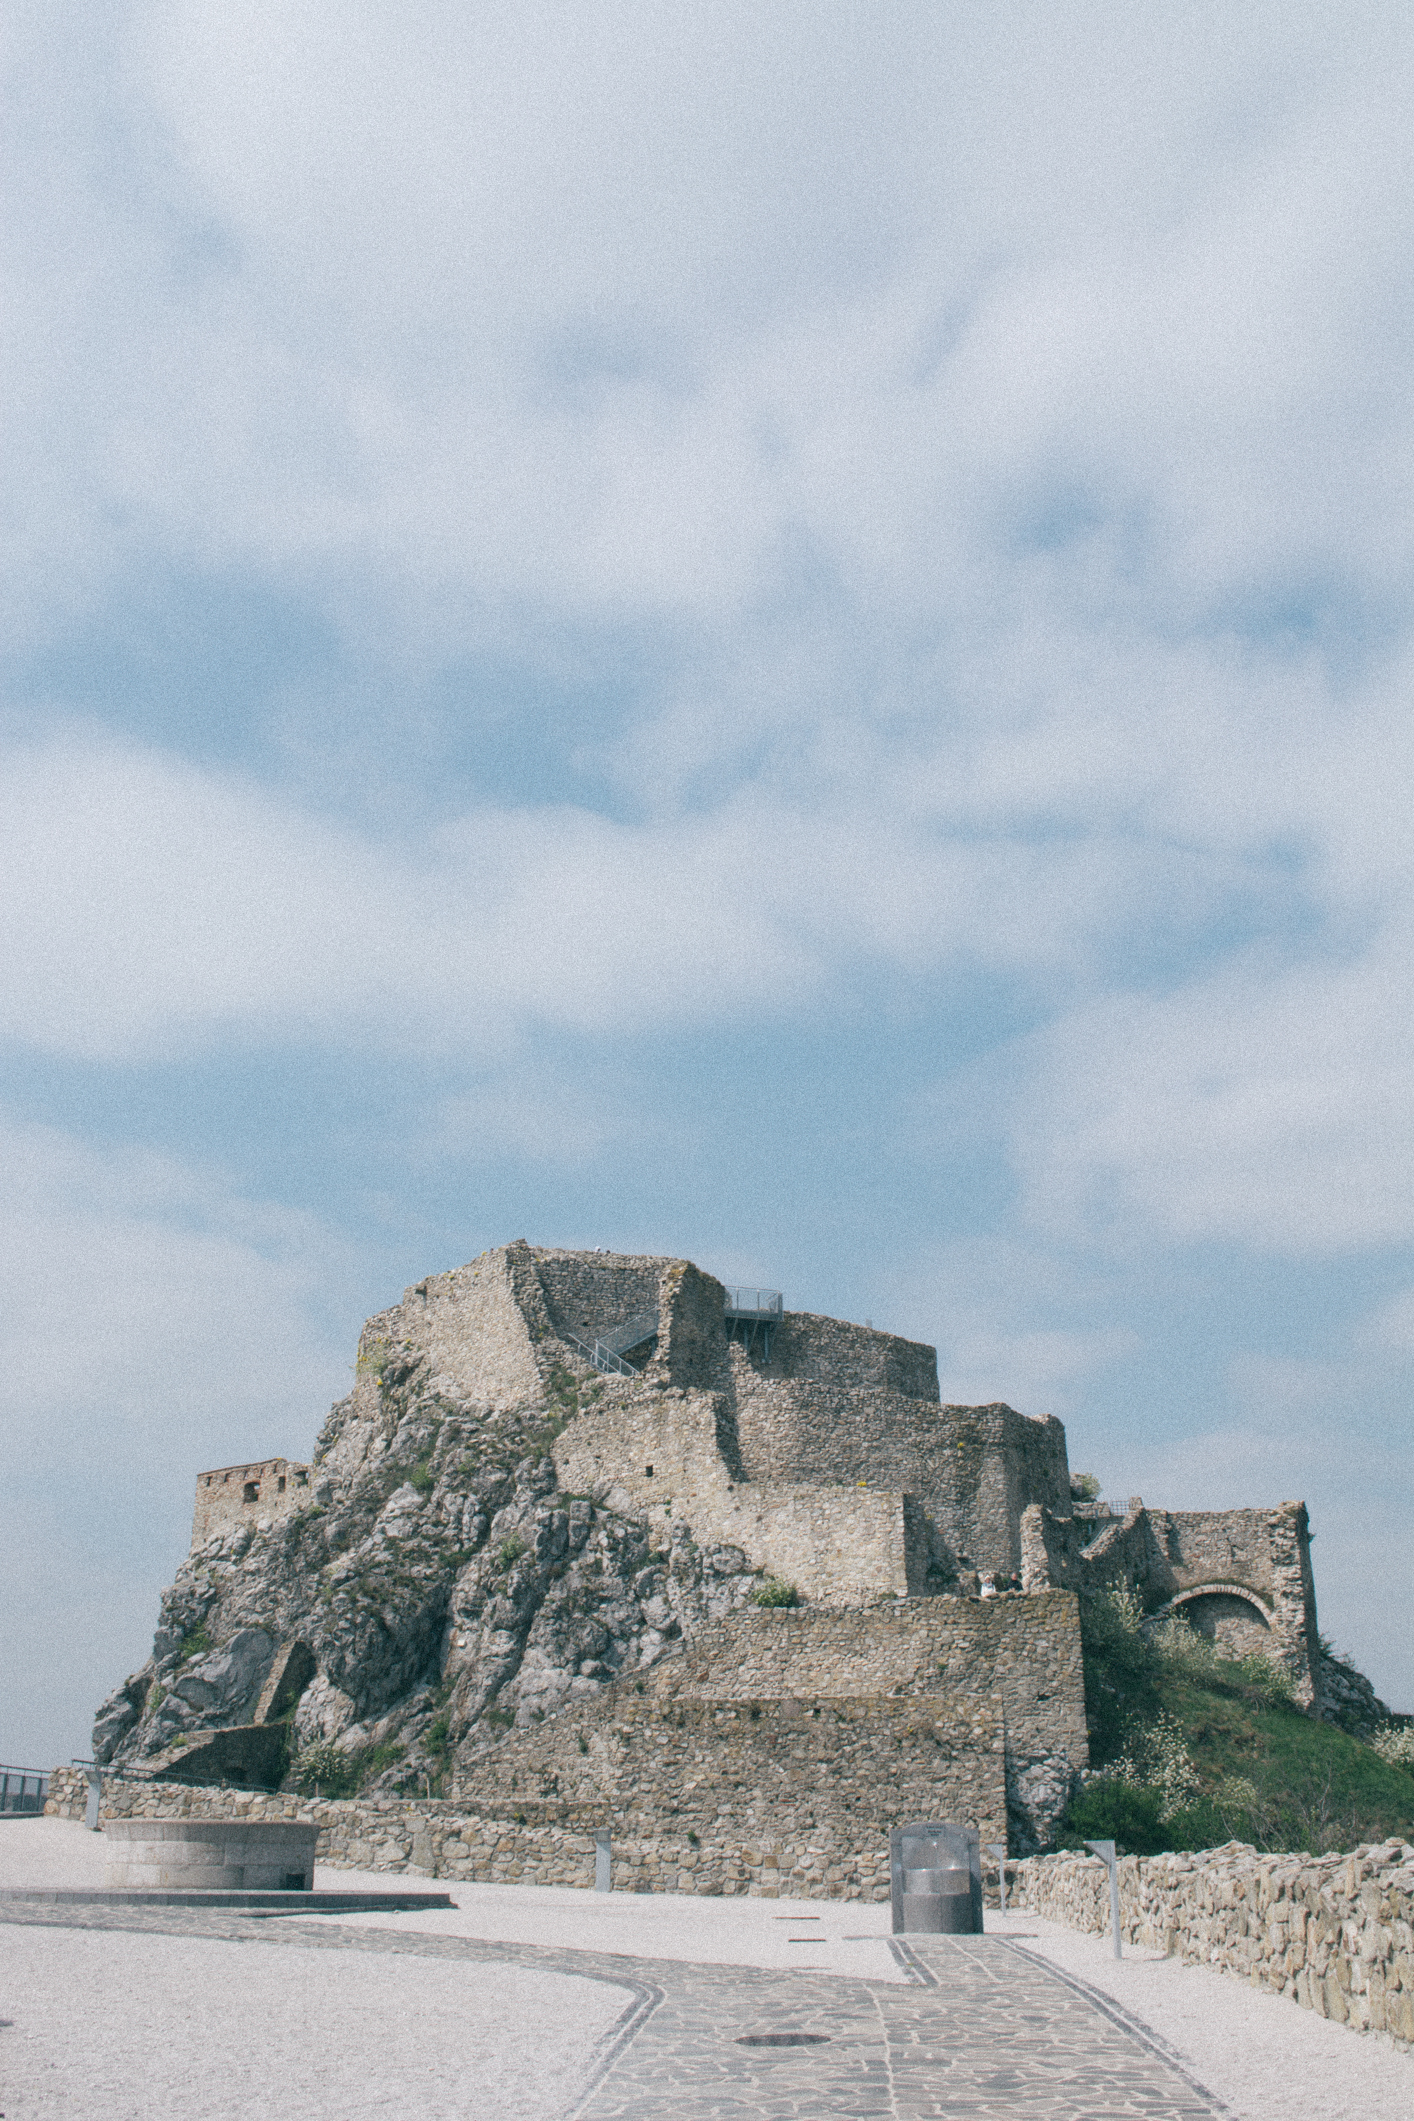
1348, 1699
444, 1586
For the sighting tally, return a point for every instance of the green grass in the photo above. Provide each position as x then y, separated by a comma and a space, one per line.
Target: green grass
772, 1592
1208, 1748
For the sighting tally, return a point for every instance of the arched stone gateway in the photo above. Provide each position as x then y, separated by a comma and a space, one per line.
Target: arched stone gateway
1232, 1615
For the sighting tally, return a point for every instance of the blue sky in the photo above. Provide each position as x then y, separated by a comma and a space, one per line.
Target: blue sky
784, 638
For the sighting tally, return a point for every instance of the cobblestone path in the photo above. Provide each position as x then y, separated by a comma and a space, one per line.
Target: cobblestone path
981, 2031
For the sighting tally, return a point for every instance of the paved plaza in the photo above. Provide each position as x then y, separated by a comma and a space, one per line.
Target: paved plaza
975, 2028
531, 2004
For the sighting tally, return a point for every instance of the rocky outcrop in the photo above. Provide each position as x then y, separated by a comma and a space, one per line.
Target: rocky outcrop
1348, 1699
439, 1588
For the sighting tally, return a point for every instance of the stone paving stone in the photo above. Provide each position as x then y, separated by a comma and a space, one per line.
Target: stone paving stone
982, 2032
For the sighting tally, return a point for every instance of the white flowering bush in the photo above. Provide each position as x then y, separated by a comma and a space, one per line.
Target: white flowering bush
1157, 1758
1394, 1742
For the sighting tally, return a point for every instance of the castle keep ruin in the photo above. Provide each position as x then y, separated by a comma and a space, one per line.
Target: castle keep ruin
549, 1545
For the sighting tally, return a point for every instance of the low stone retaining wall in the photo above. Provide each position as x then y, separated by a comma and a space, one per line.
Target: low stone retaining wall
1334, 1933
538, 1842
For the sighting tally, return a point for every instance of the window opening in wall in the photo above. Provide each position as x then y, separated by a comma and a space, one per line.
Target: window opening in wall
648, 1472
252, 1491
280, 1485
301, 1480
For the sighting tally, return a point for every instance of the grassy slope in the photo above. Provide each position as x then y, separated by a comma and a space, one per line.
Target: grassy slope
1264, 1771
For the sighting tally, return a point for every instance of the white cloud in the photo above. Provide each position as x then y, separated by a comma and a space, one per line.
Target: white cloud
149, 906
999, 425
150, 1306
1002, 1313
155, 1321
1270, 1105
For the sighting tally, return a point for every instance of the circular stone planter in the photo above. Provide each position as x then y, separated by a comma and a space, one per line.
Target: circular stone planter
209, 1855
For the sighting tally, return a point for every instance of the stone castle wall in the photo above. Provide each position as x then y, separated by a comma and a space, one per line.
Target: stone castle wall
228, 1496
830, 1351
699, 1795
830, 1463
973, 1704
1335, 1933
1242, 1577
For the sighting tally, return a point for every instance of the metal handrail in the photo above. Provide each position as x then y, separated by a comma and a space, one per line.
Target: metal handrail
600, 1357
22, 1798
754, 1303
631, 1334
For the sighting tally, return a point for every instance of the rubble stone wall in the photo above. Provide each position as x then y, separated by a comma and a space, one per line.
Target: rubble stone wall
1021, 1653
477, 1326
1241, 1577
223, 1500
946, 1681
588, 1293
655, 1454
709, 1796
831, 1351
1334, 1933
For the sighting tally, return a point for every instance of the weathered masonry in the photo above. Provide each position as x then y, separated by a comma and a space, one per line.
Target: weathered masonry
822, 1449
234, 1495
545, 1554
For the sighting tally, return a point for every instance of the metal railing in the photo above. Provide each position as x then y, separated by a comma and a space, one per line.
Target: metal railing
631, 1334
754, 1303
599, 1357
607, 1352
23, 1789
752, 1316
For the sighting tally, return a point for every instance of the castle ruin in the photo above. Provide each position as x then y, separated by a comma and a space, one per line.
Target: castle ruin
597, 1535
822, 1449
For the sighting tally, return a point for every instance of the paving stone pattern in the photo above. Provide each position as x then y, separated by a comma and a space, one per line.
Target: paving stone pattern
981, 2031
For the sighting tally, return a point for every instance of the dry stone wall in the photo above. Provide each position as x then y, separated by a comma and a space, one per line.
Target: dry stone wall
1334, 1933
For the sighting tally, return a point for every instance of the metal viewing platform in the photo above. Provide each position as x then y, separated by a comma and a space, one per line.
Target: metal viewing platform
752, 1316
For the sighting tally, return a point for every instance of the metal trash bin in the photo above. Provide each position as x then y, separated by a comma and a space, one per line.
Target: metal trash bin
938, 1901
936, 1876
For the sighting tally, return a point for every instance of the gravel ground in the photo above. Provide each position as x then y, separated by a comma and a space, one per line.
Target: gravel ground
142, 2028
102, 2022
93, 2012
846, 1937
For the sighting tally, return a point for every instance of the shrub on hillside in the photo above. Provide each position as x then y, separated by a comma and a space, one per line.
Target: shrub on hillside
1111, 1810
1395, 1743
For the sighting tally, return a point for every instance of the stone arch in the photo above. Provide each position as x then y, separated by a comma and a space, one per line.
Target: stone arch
1232, 1615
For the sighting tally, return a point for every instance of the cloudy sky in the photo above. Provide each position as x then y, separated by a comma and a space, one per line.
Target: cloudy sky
782, 635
